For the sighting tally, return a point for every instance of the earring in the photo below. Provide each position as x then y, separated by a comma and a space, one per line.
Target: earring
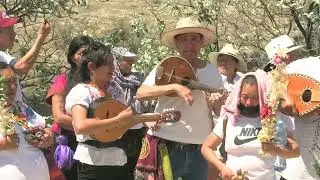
92, 75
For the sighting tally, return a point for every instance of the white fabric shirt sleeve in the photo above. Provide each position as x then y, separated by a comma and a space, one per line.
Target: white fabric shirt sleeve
218, 129
6, 58
79, 95
151, 78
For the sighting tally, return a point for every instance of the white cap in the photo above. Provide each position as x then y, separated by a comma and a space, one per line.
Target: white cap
130, 54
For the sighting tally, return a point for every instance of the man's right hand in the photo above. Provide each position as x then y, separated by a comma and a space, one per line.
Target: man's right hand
44, 30
183, 92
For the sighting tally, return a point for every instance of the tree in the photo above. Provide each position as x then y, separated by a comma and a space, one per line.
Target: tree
49, 62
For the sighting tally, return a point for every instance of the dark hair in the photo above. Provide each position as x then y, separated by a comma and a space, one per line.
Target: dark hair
249, 80
75, 45
97, 55
4, 65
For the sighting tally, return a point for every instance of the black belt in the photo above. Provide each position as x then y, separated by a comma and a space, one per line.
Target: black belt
98, 144
129, 137
182, 146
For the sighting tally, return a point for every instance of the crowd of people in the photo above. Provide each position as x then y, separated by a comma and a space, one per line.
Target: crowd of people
215, 137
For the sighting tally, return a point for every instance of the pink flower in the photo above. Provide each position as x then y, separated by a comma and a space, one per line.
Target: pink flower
277, 60
265, 111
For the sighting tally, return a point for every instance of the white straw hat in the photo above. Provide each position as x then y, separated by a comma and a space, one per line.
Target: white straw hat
187, 25
229, 50
282, 44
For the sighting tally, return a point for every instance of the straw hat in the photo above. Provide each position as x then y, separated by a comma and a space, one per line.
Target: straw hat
187, 25
282, 43
229, 50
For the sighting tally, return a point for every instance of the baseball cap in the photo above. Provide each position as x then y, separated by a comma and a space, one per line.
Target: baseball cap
6, 21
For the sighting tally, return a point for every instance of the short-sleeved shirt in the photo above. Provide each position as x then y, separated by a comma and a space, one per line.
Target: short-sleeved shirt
307, 132
242, 147
195, 123
83, 94
10, 60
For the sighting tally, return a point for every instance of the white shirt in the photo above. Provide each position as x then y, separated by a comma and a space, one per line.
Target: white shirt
306, 132
26, 162
8, 59
242, 147
229, 86
83, 94
195, 123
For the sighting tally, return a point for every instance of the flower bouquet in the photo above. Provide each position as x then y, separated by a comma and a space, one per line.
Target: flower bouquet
279, 79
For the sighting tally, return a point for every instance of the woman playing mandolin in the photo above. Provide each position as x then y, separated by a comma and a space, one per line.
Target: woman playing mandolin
97, 160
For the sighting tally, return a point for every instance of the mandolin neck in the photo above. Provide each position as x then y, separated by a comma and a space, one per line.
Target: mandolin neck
196, 85
147, 117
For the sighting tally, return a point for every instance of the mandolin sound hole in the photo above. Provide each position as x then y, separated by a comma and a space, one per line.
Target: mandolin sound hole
306, 95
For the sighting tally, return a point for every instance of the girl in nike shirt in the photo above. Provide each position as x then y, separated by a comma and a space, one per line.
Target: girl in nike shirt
240, 135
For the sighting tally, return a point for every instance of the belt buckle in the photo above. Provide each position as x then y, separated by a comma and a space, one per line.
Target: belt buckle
181, 146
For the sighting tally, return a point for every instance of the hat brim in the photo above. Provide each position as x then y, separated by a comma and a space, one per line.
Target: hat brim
293, 48
242, 65
168, 38
132, 58
8, 22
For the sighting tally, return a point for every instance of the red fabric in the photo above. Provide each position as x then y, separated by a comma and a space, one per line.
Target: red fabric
59, 86
56, 173
148, 160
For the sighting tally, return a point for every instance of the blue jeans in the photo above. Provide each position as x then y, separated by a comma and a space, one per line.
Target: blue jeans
188, 163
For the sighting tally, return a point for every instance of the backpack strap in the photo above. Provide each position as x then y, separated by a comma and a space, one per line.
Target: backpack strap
222, 149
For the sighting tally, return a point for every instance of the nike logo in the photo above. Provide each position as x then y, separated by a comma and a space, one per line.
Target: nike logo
238, 141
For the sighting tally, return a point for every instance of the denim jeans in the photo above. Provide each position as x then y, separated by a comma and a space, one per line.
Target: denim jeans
188, 163
91, 172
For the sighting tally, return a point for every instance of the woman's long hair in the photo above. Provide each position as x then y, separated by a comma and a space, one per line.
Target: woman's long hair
76, 43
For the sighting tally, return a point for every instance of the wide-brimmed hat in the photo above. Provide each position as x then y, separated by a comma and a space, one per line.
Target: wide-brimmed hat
229, 50
187, 25
283, 44
6, 21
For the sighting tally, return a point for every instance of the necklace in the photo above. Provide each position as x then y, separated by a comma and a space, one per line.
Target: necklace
102, 91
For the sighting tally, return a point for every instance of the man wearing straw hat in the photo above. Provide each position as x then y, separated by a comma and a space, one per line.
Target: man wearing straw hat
183, 139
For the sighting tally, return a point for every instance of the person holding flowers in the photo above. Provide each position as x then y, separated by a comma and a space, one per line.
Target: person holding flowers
241, 120
22, 134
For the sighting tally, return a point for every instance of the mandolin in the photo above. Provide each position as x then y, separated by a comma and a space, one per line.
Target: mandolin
178, 70
105, 108
305, 92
